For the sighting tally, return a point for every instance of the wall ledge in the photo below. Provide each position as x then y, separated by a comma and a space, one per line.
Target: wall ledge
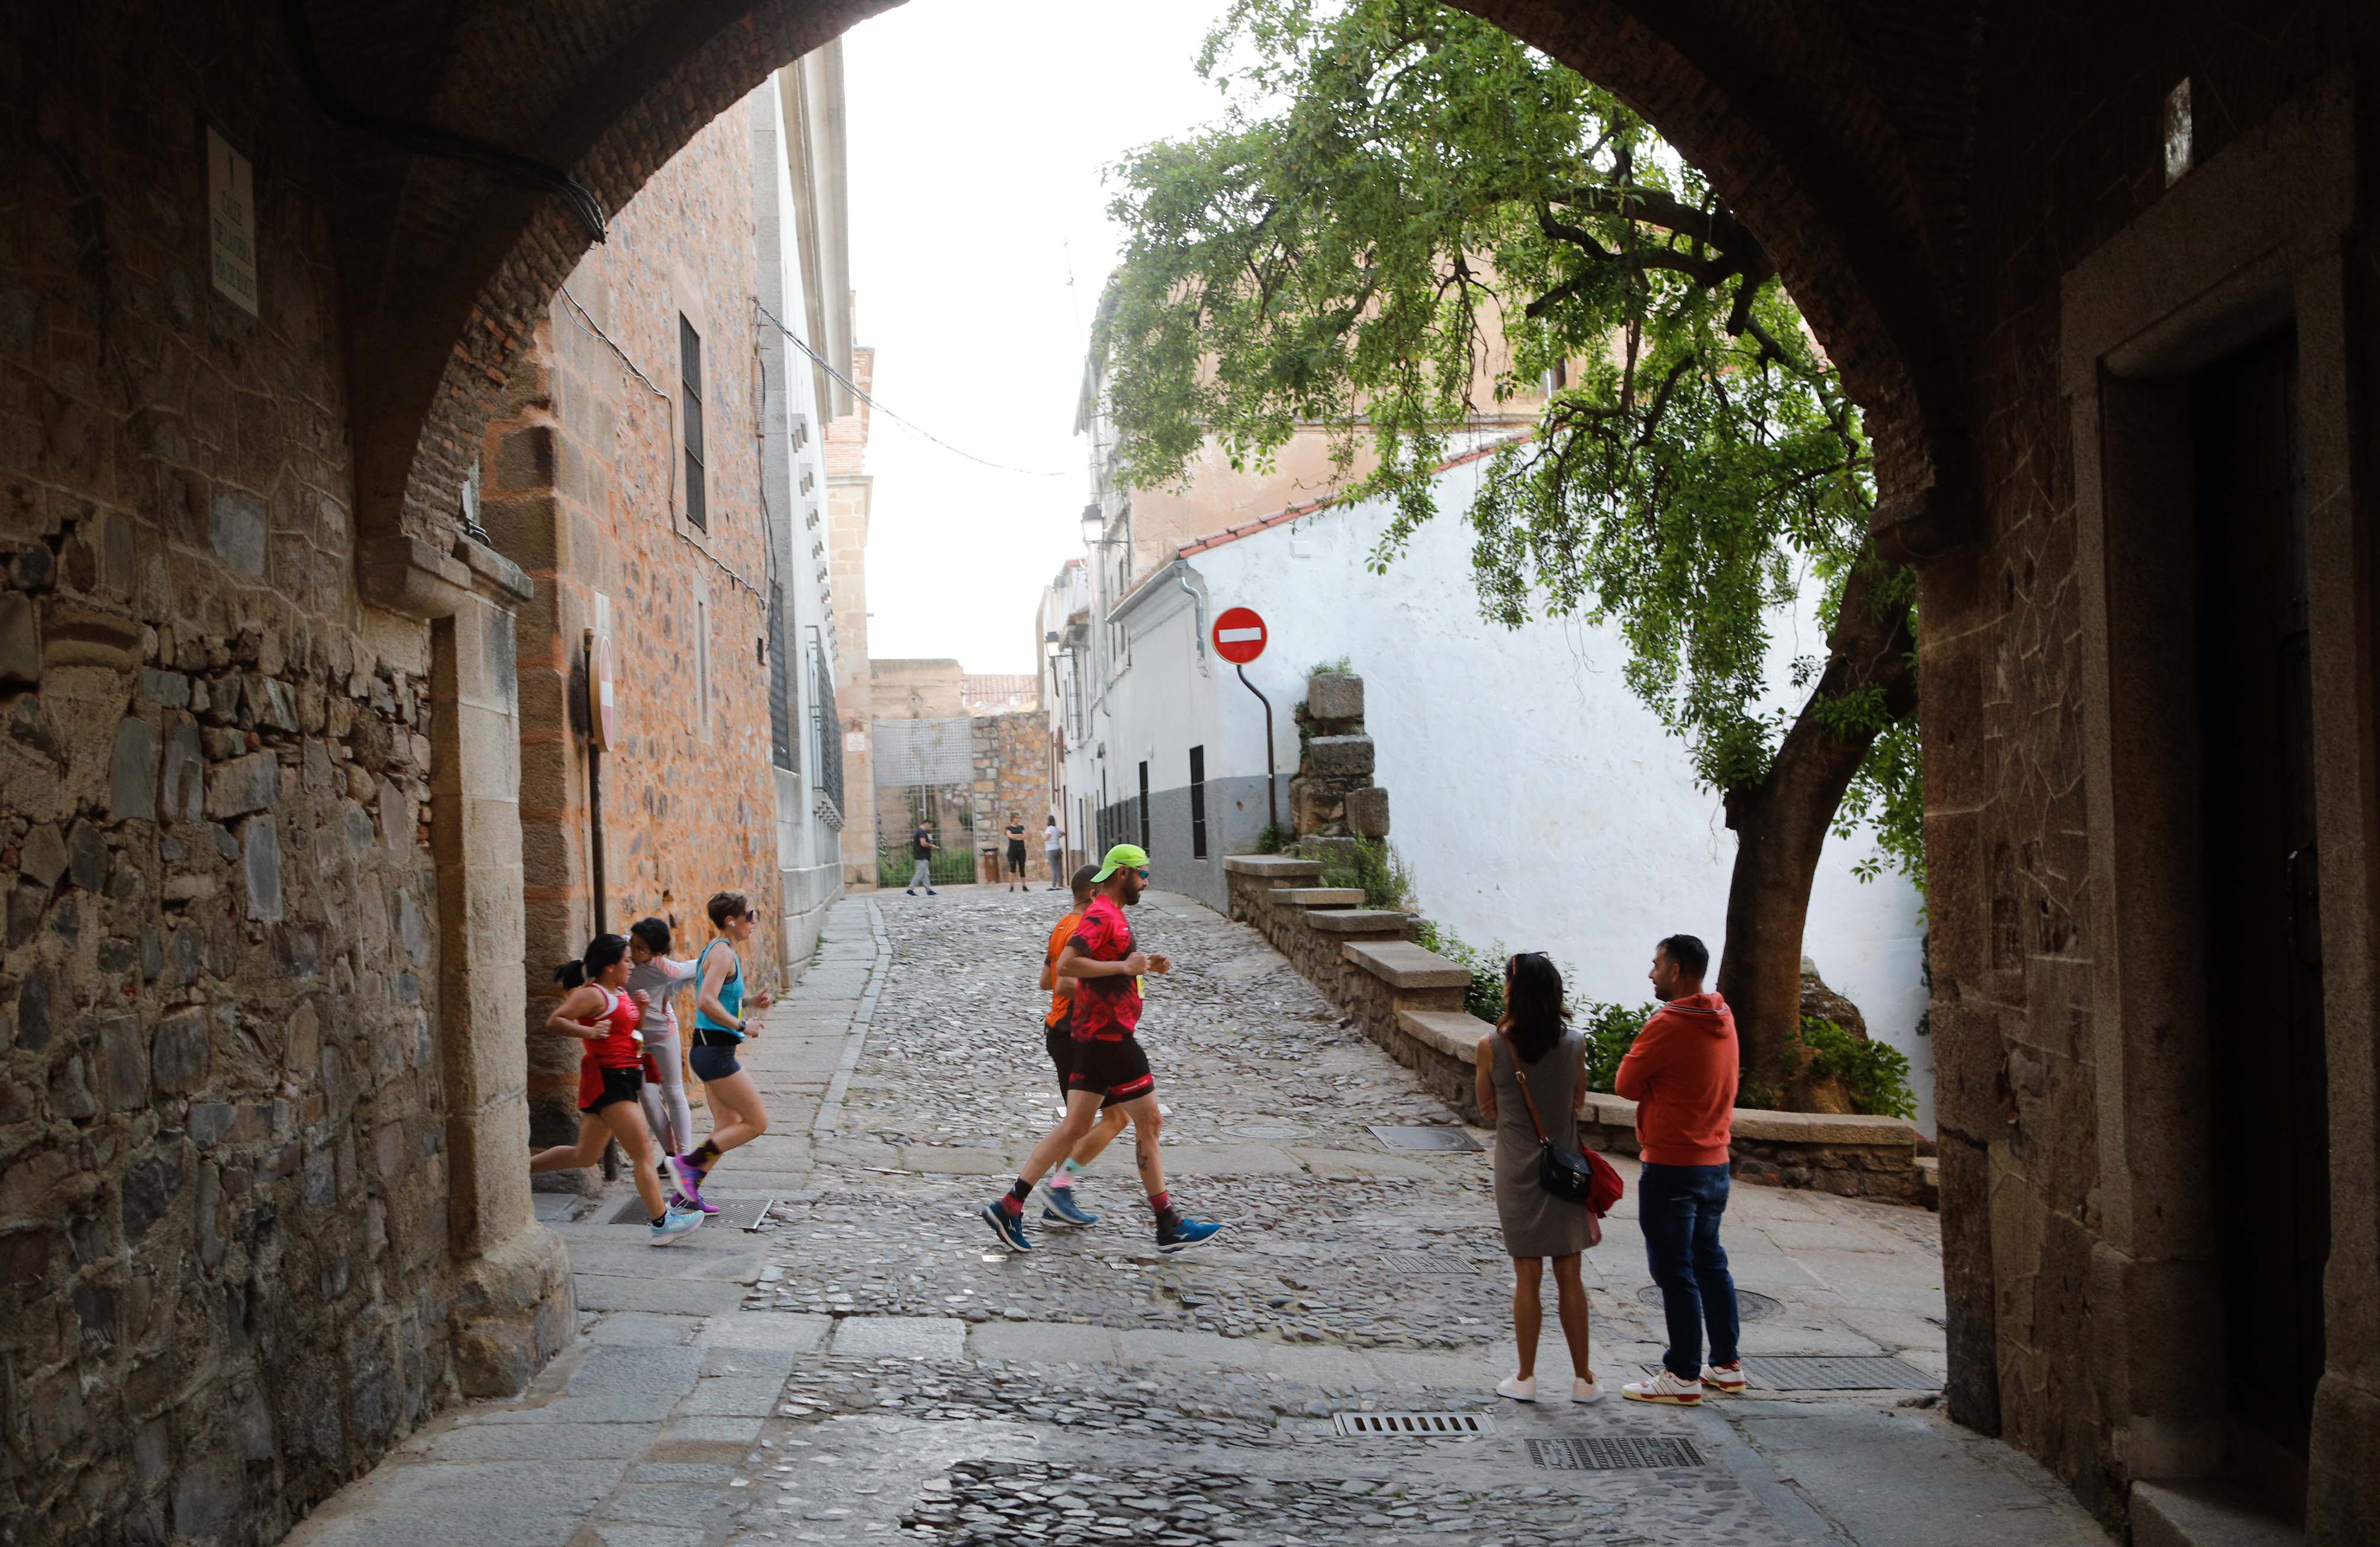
1401, 964
1277, 867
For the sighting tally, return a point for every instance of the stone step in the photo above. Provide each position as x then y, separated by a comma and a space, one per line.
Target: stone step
1403, 965
1456, 1033
1360, 921
1319, 897
1276, 867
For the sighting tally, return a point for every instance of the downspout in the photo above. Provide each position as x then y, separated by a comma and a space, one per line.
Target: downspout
1198, 603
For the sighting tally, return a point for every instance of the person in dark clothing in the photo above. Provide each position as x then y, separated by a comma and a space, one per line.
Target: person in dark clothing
1016, 831
921, 847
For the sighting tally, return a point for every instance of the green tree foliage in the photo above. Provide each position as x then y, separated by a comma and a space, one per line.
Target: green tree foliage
1405, 216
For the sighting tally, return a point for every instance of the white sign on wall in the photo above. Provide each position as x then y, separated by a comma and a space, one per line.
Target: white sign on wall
231, 221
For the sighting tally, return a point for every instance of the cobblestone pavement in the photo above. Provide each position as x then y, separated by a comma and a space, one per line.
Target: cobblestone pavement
863, 1364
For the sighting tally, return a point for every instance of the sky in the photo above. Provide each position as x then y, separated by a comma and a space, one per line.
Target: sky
979, 137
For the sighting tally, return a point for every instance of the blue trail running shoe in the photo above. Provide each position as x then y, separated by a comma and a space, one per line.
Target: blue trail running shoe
1058, 1207
1186, 1233
1009, 1227
676, 1223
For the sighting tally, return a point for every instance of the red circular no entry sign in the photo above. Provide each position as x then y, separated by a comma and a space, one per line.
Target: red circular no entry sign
1239, 635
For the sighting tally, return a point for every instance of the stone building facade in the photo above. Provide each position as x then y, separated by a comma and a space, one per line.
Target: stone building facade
2039, 243
1012, 774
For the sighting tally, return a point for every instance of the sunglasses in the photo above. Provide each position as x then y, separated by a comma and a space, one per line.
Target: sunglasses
1141, 871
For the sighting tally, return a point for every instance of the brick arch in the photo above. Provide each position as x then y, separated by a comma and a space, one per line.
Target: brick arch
1844, 150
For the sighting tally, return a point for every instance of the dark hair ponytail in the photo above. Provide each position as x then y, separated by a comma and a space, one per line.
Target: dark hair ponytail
1534, 1013
604, 950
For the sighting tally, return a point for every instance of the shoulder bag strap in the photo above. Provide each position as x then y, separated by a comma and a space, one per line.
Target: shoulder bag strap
1527, 1100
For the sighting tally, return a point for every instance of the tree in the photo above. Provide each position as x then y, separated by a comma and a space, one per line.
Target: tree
1405, 211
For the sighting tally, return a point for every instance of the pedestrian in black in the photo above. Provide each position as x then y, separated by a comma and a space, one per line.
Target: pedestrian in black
922, 846
1016, 831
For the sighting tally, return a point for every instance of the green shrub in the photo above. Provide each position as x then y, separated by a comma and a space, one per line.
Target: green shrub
1371, 865
1610, 1030
1272, 838
1875, 1074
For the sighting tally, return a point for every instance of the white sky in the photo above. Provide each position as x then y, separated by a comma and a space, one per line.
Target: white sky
976, 149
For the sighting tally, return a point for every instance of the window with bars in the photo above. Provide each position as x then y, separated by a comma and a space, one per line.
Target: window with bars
1197, 802
689, 350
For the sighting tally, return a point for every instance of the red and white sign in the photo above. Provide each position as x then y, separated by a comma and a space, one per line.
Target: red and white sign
1239, 635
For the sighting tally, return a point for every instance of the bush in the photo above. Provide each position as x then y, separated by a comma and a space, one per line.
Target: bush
1875, 1074
1272, 838
1610, 1030
1372, 865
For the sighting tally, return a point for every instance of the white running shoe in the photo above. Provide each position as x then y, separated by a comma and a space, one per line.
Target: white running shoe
1584, 1390
1518, 1389
1725, 1379
676, 1223
1665, 1389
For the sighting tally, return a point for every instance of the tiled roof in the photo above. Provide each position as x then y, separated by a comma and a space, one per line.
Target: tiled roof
1281, 518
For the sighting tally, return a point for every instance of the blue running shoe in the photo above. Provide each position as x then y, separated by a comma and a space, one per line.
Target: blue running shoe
1009, 1227
1186, 1233
676, 1223
1060, 1207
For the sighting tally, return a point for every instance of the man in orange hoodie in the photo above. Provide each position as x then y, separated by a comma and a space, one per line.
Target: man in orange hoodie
1681, 1074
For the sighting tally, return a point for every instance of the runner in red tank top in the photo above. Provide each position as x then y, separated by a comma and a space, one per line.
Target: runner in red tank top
599, 1010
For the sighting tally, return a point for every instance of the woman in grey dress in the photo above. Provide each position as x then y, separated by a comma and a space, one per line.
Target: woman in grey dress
1534, 1038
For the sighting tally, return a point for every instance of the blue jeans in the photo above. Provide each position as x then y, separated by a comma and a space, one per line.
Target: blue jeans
1680, 1207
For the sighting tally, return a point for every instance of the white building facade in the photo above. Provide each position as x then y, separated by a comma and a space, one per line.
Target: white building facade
1538, 803
802, 306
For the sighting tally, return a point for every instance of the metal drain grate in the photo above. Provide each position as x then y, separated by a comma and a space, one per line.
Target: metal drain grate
1442, 1138
1428, 1264
1615, 1452
1424, 1425
1749, 1306
1837, 1373
735, 1214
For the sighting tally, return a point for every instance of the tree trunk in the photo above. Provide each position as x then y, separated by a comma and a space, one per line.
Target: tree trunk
1781, 822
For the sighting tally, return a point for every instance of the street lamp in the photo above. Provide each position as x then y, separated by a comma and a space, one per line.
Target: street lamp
1095, 525
1049, 646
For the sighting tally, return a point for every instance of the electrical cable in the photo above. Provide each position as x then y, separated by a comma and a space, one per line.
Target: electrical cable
853, 387
429, 139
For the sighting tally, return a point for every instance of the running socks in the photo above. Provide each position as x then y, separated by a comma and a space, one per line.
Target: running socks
1073, 1168
1060, 1180
1015, 1202
704, 1156
1164, 1203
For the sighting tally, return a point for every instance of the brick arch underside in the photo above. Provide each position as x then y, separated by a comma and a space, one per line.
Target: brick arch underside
1779, 103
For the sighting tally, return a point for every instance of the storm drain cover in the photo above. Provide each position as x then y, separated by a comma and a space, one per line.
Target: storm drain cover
1441, 1138
1426, 1264
1267, 1131
1749, 1306
1836, 1372
1427, 1425
1615, 1452
738, 1213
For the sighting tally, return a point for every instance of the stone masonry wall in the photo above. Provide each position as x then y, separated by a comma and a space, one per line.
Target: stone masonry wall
1012, 774
584, 482
223, 1223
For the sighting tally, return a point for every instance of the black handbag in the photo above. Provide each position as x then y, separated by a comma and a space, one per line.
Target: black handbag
1579, 1177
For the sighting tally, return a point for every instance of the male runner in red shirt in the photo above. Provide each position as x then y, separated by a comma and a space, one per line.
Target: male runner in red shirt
1058, 1036
1109, 1065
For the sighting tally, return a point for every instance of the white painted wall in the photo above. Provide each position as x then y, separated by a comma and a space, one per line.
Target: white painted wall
1540, 805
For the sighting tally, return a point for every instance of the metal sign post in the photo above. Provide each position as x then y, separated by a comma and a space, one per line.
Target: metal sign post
1240, 637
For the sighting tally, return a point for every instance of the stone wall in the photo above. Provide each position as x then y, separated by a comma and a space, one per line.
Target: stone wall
1410, 1001
585, 486
245, 1236
1012, 774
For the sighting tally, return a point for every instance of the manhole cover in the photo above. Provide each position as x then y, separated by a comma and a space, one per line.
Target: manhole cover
1424, 1424
1837, 1373
1426, 1264
1267, 1131
740, 1213
1440, 1139
1614, 1453
1749, 1306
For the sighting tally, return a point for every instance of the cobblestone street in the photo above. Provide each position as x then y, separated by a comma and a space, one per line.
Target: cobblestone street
862, 1364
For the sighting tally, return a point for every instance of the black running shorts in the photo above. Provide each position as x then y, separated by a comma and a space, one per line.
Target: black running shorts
1118, 1069
712, 1061
1060, 1043
619, 1085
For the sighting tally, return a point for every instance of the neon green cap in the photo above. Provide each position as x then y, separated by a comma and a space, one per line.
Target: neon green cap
1124, 857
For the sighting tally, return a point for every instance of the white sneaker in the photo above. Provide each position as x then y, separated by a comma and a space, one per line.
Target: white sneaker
1725, 1379
1518, 1389
676, 1223
1665, 1389
1583, 1390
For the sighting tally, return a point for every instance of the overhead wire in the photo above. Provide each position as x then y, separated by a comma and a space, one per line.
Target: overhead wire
854, 388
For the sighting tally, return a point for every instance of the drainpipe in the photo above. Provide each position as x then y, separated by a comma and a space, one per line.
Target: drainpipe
1198, 605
